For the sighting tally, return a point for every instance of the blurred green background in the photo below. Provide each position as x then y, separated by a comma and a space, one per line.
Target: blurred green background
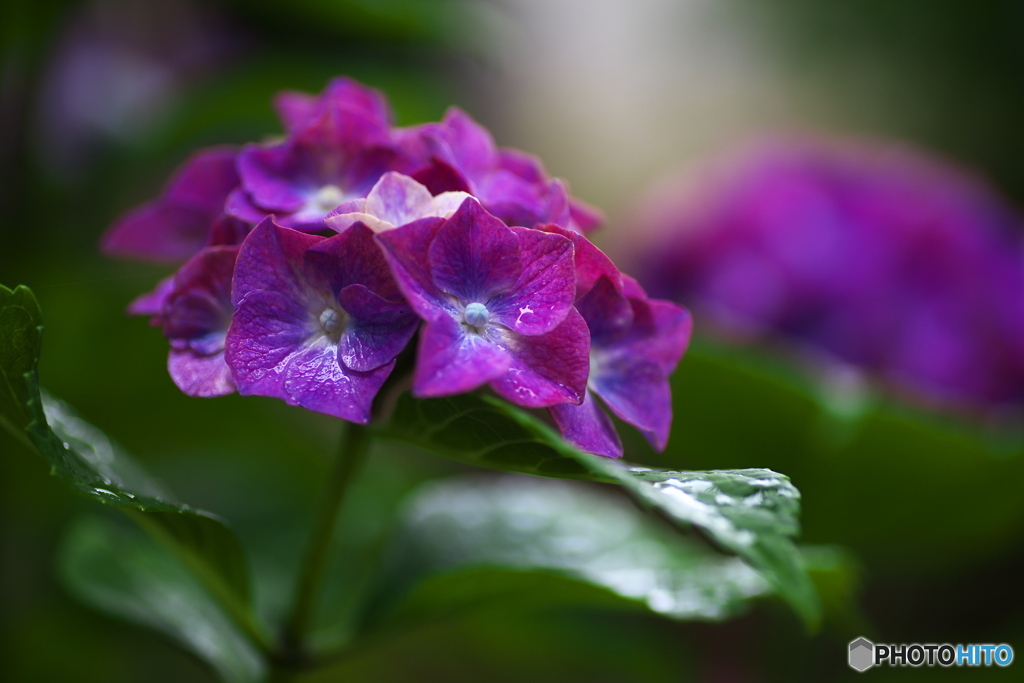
101, 100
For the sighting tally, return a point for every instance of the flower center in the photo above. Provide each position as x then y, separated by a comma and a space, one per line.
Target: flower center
476, 315
327, 198
331, 321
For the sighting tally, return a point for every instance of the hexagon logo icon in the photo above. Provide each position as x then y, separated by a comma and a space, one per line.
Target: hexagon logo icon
862, 654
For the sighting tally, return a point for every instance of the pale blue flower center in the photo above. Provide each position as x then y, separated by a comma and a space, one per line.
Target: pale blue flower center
331, 320
476, 315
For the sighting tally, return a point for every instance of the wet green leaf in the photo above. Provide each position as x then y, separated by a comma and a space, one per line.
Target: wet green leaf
84, 458
752, 513
122, 572
518, 543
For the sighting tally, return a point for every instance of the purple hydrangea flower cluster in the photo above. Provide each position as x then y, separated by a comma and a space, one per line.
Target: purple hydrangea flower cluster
314, 261
877, 256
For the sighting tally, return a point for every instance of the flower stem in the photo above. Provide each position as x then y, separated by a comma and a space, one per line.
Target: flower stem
355, 442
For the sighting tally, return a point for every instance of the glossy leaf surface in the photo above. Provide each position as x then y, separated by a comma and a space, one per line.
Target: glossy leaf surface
751, 513
84, 458
472, 543
122, 572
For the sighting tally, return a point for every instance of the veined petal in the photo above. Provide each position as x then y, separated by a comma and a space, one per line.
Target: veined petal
451, 361
271, 258
547, 369
474, 255
200, 375
378, 329
543, 294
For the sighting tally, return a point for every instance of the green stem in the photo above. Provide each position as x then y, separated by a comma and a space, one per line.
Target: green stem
355, 443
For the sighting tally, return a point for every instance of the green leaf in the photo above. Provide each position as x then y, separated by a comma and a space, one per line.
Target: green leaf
87, 460
484, 432
514, 542
120, 571
752, 512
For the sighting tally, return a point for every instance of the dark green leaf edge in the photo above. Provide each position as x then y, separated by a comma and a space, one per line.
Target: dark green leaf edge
120, 570
751, 513
85, 459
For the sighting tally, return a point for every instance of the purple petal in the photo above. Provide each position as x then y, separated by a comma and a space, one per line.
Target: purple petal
407, 250
471, 145
547, 369
661, 332
275, 349
351, 257
608, 313
200, 303
587, 427
158, 232
637, 391
205, 180
584, 216
543, 294
297, 109
271, 258
378, 331
199, 375
315, 380
240, 206
399, 199
474, 256
278, 177
450, 361
591, 262
151, 303
176, 225
438, 177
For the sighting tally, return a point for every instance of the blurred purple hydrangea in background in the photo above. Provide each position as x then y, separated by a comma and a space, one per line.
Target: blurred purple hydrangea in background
312, 262
873, 255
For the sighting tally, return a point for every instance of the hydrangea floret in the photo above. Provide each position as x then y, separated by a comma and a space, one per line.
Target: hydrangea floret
870, 255
316, 261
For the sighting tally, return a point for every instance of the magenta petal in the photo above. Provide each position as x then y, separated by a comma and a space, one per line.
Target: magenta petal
158, 232
176, 225
378, 331
438, 177
591, 262
450, 361
637, 391
265, 330
474, 255
407, 250
584, 216
661, 332
271, 258
205, 180
471, 144
543, 294
608, 313
547, 369
587, 427
151, 303
351, 257
275, 349
315, 380
297, 109
238, 205
199, 375
276, 177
